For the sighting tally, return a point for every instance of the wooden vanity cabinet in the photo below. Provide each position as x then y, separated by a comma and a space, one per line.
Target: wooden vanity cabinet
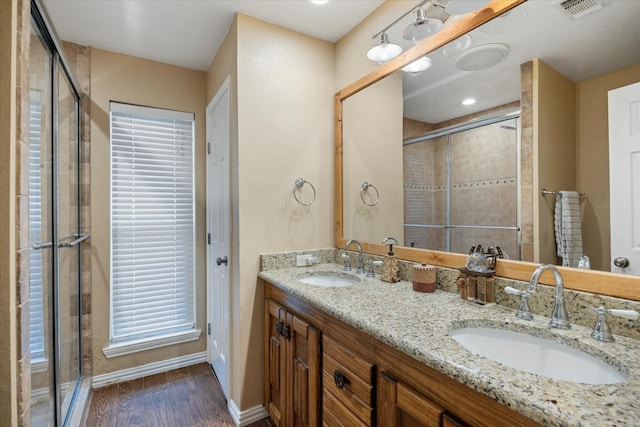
401, 406
386, 387
292, 368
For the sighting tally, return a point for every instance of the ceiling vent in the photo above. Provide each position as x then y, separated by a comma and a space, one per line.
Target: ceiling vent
579, 8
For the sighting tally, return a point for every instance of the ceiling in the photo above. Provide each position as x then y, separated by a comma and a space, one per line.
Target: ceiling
188, 33
580, 49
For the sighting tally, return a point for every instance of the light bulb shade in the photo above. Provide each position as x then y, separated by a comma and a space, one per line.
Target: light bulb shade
420, 30
456, 46
418, 65
384, 51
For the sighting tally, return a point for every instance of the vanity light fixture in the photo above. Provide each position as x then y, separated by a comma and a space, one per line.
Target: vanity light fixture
319, 1
422, 28
418, 66
384, 51
468, 101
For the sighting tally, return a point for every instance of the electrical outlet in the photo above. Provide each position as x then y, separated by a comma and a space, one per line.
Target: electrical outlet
301, 260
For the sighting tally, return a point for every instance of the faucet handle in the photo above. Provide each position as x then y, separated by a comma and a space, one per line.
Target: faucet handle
627, 314
347, 261
370, 265
601, 330
523, 311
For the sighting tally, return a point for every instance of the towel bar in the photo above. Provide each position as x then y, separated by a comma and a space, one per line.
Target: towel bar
544, 192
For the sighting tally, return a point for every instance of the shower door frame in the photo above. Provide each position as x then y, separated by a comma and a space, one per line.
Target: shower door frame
59, 64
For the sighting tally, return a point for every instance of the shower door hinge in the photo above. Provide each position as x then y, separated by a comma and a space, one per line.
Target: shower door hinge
208, 238
209, 329
208, 148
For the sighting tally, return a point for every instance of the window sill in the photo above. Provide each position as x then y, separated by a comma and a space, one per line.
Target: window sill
129, 347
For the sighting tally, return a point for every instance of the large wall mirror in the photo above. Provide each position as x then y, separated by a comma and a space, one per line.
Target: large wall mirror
405, 142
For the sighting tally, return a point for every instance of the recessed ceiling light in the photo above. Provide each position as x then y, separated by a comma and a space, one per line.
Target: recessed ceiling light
482, 57
469, 101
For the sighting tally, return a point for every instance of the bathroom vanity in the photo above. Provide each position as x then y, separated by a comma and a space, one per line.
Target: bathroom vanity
377, 353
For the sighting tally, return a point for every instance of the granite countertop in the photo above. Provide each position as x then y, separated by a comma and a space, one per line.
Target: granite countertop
418, 324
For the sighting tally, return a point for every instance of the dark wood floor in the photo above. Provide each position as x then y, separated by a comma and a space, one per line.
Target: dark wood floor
186, 397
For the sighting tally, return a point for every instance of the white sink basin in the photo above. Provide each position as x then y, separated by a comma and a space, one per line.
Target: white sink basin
329, 279
537, 355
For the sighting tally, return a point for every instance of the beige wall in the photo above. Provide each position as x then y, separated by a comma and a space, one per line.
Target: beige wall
282, 86
593, 160
133, 80
554, 151
571, 137
8, 114
372, 135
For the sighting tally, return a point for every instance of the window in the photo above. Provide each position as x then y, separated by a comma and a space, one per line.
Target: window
152, 228
37, 165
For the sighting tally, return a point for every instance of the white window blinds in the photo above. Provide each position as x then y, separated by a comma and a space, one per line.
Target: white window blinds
152, 222
36, 260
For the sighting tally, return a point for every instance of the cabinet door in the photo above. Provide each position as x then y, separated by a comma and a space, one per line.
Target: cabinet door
275, 362
303, 373
401, 406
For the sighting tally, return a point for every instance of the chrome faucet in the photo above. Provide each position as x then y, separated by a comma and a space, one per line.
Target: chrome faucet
347, 263
559, 315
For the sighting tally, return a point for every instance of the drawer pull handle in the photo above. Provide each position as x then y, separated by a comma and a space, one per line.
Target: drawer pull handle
340, 379
286, 332
279, 326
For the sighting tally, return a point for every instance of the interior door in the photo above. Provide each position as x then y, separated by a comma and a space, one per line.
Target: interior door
624, 178
218, 233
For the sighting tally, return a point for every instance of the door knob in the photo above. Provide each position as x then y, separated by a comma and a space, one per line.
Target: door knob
621, 262
222, 260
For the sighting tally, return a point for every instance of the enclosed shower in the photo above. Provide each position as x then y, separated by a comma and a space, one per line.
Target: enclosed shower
55, 238
461, 187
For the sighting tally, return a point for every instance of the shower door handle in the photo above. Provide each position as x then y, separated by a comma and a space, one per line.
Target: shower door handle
79, 239
39, 246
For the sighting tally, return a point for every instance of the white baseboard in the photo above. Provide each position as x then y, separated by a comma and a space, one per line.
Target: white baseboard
148, 369
247, 417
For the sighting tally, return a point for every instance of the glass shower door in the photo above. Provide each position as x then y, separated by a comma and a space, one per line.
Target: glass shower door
41, 236
54, 225
68, 293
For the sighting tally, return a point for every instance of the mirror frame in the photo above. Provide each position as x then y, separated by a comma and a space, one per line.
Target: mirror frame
592, 281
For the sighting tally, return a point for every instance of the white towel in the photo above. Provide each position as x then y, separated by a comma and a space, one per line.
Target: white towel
568, 228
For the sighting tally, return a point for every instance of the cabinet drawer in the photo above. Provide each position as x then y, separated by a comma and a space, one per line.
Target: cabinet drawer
336, 414
348, 384
355, 391
358, 366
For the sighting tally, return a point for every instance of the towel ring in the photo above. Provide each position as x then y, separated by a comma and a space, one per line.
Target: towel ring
364, 188
300, 182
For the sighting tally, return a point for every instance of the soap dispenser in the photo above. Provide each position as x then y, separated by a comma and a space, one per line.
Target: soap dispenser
390, 264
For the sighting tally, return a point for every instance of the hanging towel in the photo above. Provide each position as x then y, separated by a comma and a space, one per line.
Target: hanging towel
568, 228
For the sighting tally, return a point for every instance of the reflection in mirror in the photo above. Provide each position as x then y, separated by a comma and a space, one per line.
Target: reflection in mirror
460, 187
556, 69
